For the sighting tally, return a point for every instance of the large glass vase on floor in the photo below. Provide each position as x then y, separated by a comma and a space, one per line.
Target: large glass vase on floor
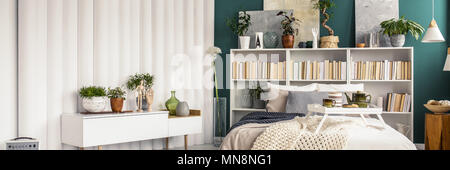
220, 124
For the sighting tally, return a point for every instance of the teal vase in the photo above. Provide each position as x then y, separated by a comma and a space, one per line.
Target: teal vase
172, 104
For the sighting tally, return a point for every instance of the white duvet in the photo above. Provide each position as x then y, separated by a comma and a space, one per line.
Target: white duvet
370, 137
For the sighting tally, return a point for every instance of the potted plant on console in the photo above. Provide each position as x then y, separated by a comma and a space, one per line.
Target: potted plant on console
396, 29
329, 41
256, 94
240, 28
93, 98
116, 96
134, 82
289, 26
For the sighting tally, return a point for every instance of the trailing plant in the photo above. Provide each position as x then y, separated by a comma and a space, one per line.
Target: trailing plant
116, 93
240, 26
92, 91
256, 92
289, 24
323, 6
402, 26
135, 80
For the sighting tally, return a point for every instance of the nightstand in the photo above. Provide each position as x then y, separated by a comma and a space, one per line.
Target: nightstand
185, 125
437, 131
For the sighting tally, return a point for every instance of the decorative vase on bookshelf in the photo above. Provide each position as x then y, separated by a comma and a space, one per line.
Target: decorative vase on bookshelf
246, 99
220, 125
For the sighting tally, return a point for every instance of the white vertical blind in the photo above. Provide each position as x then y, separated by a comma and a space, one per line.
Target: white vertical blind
8, 71
67, 44
33, 69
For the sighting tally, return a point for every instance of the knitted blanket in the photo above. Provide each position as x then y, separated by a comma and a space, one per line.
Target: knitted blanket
298, 134
265, 118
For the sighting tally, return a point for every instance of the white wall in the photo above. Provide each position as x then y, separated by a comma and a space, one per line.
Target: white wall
67, 44
8, 71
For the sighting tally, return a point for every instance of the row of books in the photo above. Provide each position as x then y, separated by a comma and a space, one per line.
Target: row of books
258, 70
316, 70
381, 70
398, 102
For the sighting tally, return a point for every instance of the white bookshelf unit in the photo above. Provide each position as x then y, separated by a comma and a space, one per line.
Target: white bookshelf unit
376, 88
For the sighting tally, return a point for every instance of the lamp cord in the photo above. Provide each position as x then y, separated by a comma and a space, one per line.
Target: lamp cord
433, 8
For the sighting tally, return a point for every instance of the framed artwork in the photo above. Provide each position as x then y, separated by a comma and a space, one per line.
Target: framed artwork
368, 16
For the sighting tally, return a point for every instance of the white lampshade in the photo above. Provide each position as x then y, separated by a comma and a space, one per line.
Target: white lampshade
433, 34
447, 62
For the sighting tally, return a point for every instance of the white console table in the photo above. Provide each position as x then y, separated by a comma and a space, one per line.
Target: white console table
82, 130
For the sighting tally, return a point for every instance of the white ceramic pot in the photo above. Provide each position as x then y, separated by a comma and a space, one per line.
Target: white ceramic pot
94, 104
244, 41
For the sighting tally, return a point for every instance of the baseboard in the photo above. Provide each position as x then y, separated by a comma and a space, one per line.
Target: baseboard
420, 146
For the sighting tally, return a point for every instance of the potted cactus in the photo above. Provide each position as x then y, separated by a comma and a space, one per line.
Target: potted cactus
116, 96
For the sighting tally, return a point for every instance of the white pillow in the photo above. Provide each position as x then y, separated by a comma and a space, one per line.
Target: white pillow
273, 90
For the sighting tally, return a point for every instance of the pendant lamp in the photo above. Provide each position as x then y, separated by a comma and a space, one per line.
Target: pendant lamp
447, 62
433, 34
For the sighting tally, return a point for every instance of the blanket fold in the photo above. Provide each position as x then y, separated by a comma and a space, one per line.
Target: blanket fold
265, 118
298, 134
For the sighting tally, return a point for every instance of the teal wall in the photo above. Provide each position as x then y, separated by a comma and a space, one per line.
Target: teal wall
430, 81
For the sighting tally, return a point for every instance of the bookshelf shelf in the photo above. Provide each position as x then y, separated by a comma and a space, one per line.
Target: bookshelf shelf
347, 57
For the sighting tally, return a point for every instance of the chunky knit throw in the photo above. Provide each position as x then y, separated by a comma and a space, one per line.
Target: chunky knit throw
298, 134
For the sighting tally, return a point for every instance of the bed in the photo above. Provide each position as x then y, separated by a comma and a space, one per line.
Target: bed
245, 133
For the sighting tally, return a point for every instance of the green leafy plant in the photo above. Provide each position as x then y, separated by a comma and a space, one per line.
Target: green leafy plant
240, 26
256, 92
135, 80
323, 6
116, 93
92, 91
402, 26
289, 24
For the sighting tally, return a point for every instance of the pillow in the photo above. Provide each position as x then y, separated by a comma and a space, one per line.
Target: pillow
279, 103
273, 90
297, 102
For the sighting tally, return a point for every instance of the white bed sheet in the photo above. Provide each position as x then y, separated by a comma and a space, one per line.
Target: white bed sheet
377, 139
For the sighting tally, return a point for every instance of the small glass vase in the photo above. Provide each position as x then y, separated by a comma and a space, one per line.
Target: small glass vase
220, 123
172, 104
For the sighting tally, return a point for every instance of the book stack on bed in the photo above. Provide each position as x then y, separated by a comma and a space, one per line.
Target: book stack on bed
398, 102
258, 70
382, 70
317, 70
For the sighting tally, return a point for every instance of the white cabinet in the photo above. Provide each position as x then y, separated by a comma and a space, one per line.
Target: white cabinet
104, 129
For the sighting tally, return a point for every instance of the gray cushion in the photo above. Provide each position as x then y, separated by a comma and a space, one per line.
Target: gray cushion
297, 102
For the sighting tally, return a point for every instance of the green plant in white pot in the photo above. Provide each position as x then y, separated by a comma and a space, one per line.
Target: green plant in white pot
397, 29
240, 28
93, 98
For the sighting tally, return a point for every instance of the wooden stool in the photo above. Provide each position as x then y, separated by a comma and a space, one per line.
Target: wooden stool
437, 131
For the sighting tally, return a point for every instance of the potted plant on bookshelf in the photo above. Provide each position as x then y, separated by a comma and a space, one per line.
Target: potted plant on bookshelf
116, 97
135, 80
93, 98
289, 25
240, 28
396, 29
256, 94
329, 41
